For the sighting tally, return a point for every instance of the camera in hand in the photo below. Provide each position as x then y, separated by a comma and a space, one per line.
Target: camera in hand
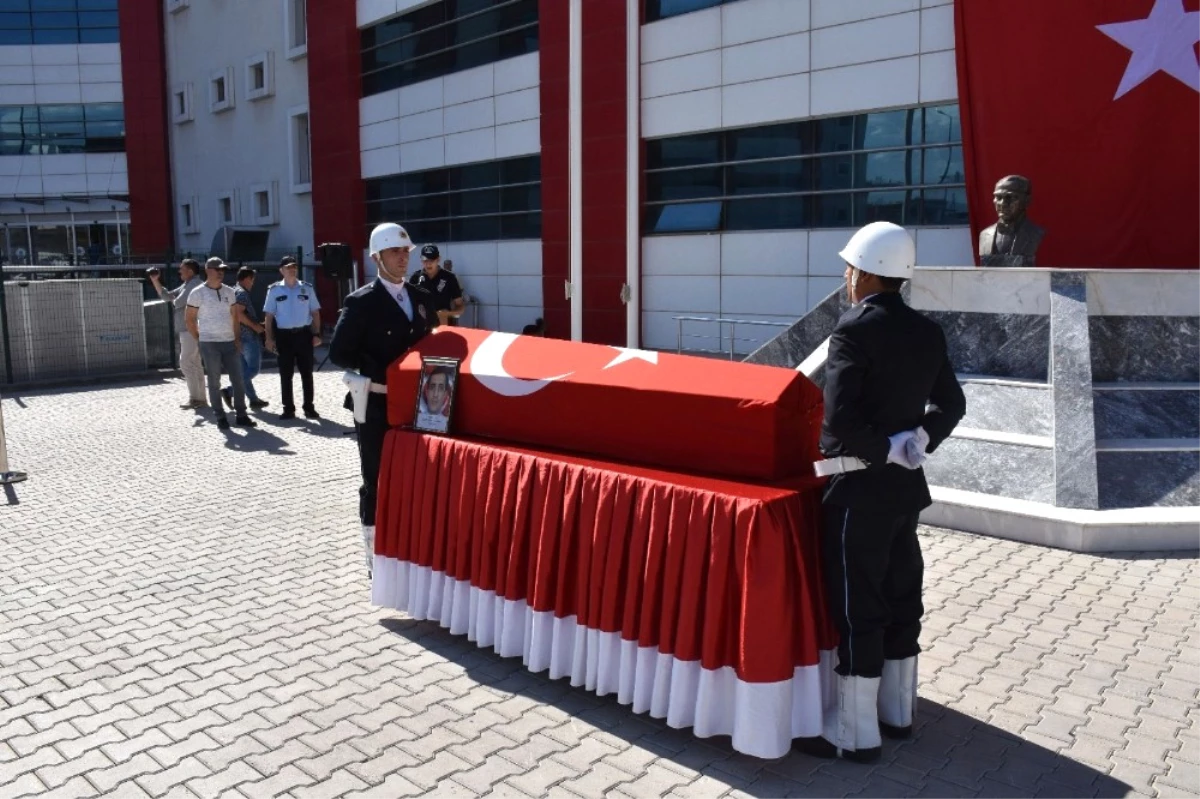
152, 271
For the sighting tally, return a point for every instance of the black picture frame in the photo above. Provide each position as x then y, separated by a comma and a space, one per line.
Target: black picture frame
436, 421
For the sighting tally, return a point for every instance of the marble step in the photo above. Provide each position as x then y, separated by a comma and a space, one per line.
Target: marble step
1147, 410
1123, 483
1023, 407
990, 462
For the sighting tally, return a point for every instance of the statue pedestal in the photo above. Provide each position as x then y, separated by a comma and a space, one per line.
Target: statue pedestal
1083, 403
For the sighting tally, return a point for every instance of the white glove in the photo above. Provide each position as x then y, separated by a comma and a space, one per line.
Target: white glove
907, 449
360, 389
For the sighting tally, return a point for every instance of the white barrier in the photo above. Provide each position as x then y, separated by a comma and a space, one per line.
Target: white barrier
7, 476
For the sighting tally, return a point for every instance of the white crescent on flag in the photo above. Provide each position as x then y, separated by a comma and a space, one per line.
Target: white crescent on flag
487, 366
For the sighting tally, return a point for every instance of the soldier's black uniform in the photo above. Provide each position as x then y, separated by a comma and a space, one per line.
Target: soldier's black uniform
371, 332
885, 363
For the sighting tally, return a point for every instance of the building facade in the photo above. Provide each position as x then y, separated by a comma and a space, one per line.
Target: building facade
63, 172
724, 149
237, 90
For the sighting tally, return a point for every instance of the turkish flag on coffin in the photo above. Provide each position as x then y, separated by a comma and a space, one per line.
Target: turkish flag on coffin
657, 409
1095, 101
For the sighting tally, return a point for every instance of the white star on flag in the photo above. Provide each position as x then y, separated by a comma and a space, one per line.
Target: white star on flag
625, 354
1163, 41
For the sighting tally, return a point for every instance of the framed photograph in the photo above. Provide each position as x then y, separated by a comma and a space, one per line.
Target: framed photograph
435, 395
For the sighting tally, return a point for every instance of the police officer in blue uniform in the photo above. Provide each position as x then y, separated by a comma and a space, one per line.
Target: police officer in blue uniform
891, 397
378, 324
293, 330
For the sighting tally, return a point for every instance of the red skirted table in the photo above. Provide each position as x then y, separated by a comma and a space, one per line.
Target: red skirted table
695, 599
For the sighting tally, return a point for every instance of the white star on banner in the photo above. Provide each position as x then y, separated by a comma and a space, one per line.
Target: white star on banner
625, 354
1163, 41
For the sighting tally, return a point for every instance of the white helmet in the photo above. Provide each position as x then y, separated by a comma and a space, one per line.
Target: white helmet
881, 248
389, 235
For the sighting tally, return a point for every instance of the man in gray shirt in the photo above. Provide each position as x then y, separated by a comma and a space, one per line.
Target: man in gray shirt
189, 350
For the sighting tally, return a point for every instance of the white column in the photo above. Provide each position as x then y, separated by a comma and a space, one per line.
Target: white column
575, 160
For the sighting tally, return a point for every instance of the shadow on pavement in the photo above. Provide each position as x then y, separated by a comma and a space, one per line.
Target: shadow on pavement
950, 753
241, 439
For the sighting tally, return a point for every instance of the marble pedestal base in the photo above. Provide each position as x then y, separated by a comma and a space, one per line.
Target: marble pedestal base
1083, 402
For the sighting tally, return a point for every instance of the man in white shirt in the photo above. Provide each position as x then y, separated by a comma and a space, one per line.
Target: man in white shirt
211, 318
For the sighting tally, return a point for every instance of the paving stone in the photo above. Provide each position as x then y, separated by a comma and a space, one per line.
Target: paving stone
233, 645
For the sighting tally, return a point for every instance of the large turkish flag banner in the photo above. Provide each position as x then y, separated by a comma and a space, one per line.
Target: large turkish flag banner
1097, 103
680, 412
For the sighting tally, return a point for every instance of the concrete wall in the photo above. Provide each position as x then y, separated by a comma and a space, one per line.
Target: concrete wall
247, 146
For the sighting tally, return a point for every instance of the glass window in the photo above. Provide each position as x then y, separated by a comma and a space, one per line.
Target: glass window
56, 20
14, 5
943, 165
521, 198
55, 35
833, 135
684, 184
766, 213
769, 177
831, 210
835, 172
57, 129
99, 36
683, 151
445, 37
521, 226
475, 175
473, 202
944, 207
776, 141
889, 168
661, 9
16, 36
942, 125
887, 129
683, 217
880, 206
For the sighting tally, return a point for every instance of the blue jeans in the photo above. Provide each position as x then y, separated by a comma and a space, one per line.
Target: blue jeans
251, 363
221, 356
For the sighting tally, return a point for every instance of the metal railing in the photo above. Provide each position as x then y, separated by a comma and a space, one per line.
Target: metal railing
720, 337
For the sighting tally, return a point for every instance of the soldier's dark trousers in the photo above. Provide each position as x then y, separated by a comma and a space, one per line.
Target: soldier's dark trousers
295, 350
873, 571
370, 453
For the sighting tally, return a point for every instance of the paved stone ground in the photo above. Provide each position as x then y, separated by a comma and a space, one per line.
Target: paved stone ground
184, 613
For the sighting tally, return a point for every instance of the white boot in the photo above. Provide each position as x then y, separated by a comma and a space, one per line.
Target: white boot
368, 537
853, 727
898, 697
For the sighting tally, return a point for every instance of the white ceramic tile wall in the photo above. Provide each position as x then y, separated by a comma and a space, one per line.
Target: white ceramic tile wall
782, 60
370, 12
479, 114
61, 74
764, 275
504, 278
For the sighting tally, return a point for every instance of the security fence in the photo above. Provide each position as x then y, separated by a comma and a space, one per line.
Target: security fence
70, 322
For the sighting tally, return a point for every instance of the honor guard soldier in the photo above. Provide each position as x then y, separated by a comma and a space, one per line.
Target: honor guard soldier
441, 283
378, 324
890, 397
293, 331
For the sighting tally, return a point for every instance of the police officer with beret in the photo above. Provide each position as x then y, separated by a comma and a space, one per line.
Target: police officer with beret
378, 324
891, 397
293, 330
441, 283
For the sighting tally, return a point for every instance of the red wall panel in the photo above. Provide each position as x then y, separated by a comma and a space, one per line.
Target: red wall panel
144, 79
334, 89
604, 122
553, 54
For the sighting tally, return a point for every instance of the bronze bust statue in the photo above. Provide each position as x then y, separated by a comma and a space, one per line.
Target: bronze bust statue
1013, 240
